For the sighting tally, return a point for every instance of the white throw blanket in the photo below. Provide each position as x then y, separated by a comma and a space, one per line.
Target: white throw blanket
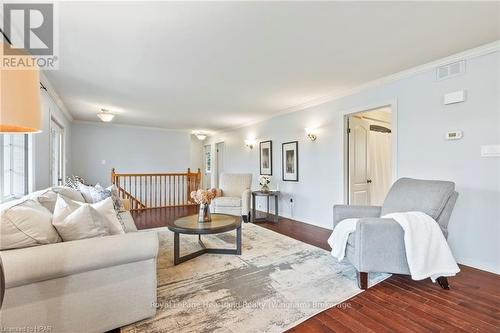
427, 251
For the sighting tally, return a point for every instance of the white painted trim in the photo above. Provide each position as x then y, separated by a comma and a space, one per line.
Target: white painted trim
479, 265
393, 104
111, 124
468, 54
55, 97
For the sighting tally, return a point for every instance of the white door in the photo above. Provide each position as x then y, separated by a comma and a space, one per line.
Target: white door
219, 152
56, 154
359, 183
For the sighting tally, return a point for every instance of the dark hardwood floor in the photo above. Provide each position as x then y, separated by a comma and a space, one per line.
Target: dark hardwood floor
397, 304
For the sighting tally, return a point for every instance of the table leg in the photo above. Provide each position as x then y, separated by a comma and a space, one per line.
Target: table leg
267, 215
276, 208
176, 248
253, 208
238, 241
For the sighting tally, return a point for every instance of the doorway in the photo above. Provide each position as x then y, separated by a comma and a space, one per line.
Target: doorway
56, 153
369, 156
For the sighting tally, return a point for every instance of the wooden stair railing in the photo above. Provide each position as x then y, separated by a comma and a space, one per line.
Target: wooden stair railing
155, 190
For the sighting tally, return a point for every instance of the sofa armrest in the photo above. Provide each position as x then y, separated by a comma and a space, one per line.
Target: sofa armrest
245, 202
342, 212
379, 246
46, 262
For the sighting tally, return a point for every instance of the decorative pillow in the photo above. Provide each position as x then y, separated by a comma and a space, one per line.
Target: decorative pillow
127, 221
26, 224
74, 182
118, 202
69, 192
65, 206
82, 222
48, 200
93, 194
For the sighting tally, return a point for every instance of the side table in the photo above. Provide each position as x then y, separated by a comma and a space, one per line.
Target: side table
267, 194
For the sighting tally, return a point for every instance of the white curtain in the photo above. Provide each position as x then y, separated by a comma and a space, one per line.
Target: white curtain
380, 160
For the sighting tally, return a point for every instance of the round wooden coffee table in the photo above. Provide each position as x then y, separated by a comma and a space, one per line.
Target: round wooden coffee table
189, 225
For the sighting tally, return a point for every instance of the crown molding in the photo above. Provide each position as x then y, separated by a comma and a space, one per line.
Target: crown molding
111, 124
468, 54
55, 96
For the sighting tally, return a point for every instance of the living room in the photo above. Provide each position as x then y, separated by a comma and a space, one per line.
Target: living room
250, 166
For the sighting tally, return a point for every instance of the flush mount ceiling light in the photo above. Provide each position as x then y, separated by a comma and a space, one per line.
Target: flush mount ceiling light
105, 115
201, 136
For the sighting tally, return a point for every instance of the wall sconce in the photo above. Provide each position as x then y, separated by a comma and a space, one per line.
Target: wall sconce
249, 143
311, 134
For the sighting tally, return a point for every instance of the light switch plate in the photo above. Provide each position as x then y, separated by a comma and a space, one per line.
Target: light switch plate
490, 151
454, 97
455, 135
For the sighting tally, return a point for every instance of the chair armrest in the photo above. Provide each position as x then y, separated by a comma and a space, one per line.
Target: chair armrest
379, 246
46, 262
245, 202
342, 212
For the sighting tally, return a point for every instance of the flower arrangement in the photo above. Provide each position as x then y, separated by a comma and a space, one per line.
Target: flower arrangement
203, 197
264, 181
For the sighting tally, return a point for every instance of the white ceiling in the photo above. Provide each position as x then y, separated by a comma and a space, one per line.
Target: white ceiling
214, 65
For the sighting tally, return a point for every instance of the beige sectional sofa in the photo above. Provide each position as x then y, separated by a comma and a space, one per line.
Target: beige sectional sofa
88, 285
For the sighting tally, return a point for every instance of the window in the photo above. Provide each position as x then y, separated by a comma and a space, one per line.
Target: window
14, 161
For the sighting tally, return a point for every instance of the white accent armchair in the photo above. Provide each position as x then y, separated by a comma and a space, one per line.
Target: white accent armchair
235, 197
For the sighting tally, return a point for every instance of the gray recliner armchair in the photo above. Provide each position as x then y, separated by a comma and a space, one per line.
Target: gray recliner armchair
377, 245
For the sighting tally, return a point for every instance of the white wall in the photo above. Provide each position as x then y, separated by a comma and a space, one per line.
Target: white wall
41, 143
130, 149
422, 121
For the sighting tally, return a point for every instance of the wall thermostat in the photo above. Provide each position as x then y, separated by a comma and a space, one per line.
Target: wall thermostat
455, 135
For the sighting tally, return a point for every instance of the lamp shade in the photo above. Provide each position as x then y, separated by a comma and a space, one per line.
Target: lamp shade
20, 110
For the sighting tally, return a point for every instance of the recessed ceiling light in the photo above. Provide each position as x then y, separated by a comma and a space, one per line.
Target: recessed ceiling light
105, 115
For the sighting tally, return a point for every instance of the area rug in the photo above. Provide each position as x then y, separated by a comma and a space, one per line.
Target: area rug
275, 284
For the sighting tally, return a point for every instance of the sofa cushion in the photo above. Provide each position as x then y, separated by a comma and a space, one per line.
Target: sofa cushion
427, 196
227, 202
26, 224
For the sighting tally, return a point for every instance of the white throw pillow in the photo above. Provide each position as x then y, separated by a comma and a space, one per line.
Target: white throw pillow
69, 192
48, 200
65, 206
26, 224
83, 222
127, 221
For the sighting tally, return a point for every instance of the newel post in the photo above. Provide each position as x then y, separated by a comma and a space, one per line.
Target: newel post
112, 176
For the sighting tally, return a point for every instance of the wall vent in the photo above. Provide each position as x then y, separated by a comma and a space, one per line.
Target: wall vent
450, 70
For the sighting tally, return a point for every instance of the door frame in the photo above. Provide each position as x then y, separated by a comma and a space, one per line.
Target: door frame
63, 149
344, 141
217, 170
